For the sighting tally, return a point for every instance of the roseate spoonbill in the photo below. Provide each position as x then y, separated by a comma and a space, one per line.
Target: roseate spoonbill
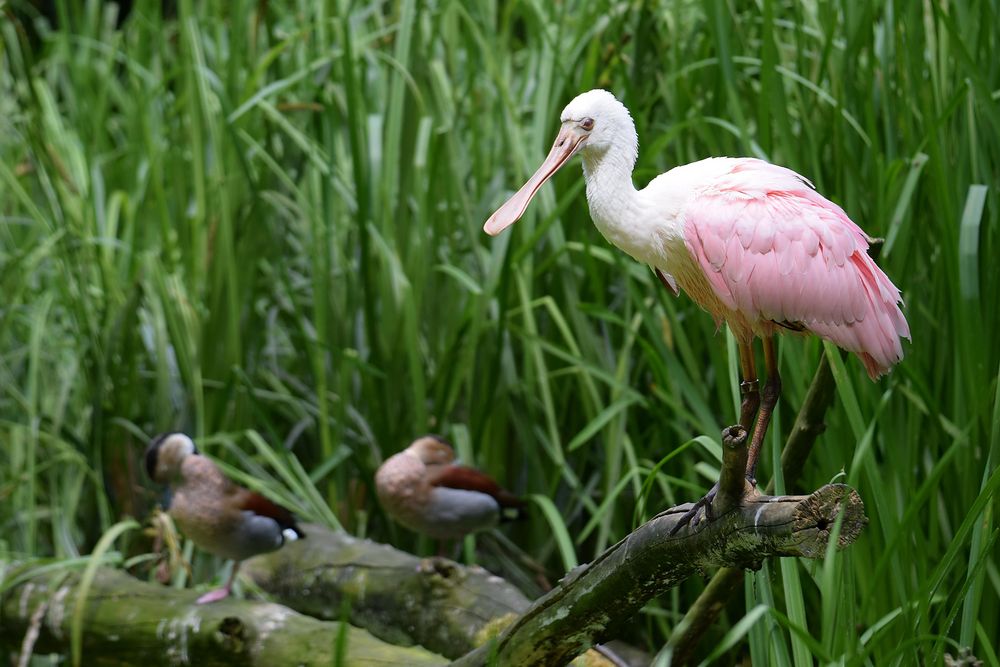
219, 516
752, 243
424, 489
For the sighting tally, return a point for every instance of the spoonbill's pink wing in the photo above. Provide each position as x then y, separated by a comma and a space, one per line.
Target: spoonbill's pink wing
776, 250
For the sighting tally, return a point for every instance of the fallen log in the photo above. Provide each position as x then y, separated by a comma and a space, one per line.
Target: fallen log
130, 622
396, 596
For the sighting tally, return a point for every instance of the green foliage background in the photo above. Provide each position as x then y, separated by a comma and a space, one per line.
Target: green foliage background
261, 223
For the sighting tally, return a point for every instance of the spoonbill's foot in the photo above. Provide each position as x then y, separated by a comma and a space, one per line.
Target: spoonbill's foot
213, 596
691, 516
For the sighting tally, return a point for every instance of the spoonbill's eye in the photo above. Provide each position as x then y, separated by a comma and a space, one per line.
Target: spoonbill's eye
587, 124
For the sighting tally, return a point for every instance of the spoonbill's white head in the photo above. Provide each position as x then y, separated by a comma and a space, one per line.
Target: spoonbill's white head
609, 121
594, 123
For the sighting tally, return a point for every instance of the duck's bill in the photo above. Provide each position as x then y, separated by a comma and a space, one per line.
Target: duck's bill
567, 143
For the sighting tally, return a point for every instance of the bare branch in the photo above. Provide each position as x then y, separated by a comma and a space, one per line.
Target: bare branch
732, 476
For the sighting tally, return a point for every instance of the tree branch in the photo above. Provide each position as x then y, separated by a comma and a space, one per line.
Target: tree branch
732, 476
593, 600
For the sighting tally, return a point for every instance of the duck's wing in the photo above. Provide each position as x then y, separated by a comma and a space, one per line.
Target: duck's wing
470, 479
251, 501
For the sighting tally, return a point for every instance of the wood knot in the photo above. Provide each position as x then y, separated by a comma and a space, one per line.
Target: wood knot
817, 515
441, 567
439, 577
231, 634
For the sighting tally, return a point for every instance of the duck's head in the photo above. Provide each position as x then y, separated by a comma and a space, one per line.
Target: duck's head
432, 450
165, 454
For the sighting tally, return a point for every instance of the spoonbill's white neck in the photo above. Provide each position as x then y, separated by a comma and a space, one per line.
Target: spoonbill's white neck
614, 202
608, 173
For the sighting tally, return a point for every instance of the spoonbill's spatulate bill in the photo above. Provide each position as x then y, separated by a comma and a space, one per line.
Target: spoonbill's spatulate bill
752, 243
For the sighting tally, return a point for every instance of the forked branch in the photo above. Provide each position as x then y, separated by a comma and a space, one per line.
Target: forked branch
808, 426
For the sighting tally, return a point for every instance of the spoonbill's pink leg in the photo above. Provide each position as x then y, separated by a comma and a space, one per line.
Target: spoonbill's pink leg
772, 390
748, 409
749, 385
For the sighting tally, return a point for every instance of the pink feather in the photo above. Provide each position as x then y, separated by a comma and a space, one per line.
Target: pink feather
775, 250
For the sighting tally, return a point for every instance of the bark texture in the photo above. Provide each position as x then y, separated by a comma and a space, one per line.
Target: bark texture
396, 596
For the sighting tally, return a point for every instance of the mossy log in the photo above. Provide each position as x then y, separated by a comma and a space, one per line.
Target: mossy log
434, 602
130, 622
396, 596
594, 600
